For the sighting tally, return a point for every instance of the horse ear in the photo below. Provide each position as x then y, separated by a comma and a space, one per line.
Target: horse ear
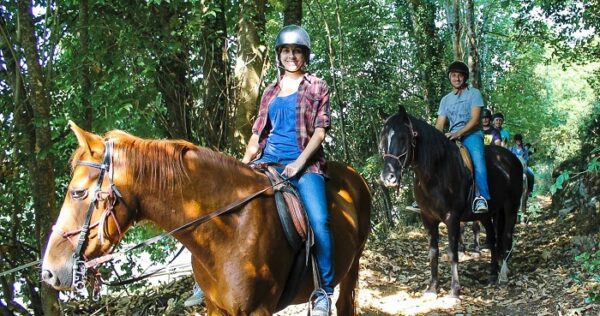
401, 109
91, 142
382, 115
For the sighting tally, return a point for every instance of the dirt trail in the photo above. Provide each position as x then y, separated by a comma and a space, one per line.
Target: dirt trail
395, 272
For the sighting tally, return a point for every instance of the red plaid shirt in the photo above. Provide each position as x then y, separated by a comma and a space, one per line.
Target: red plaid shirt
312, 111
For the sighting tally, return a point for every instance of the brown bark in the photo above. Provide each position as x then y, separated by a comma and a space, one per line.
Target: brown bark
475, 75
428, 46
457, 31
292, 12
86, 85
215, 70
171, 74
42, 177
250, 62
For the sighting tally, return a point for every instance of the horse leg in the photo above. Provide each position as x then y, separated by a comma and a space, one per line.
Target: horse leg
461, 242
453, 225
346, 302
507, 244
476, 229
490, 238
495, 244
434, 253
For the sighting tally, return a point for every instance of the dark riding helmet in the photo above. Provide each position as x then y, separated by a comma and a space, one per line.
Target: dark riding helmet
485, 113
460, 67
498, 115
518, 137
293, 34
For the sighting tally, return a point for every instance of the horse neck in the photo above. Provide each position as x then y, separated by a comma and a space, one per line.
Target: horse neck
210, 184
433, 152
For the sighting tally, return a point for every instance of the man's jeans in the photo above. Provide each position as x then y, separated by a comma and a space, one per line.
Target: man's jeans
474, 144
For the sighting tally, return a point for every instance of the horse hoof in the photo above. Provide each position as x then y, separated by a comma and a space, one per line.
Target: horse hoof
429, 296
451, 300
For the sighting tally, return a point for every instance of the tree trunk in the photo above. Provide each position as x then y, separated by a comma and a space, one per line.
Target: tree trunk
250, 63
292, 12
454, 21
475, 76
339, 95
428, 46
86, 85
215, 70
171, 73
42, 178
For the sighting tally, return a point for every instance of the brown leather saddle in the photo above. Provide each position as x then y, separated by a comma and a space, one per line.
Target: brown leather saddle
296, 229
464, 153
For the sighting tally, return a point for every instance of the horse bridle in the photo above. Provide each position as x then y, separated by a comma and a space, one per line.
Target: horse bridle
411, 143
112, 196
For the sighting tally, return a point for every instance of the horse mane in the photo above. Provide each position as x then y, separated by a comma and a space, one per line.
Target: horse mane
432, 147
158, 163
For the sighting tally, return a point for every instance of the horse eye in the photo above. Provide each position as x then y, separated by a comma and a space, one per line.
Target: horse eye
79, 194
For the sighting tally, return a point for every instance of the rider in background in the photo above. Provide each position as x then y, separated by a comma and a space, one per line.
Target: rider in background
462, 108
490, 134
522, 152
498, 120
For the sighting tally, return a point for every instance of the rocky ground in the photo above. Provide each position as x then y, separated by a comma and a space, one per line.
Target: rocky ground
544, 279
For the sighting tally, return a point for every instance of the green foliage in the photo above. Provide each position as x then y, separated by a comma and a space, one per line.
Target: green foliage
590, 263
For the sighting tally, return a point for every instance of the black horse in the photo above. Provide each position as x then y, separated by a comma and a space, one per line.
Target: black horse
443, 189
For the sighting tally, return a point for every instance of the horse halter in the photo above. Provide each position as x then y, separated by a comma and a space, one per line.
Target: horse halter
411, 143
112, 195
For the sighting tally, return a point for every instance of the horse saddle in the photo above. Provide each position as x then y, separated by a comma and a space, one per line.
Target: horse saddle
296, 229
464, 153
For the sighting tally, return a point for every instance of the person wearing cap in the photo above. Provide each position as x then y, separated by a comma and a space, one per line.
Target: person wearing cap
498, 120
293, 119
490, 134
522, 152
462, 108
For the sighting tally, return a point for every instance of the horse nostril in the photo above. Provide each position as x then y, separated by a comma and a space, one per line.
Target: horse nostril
391, 178
47, 275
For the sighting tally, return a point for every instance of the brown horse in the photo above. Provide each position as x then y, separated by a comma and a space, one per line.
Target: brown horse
240, 259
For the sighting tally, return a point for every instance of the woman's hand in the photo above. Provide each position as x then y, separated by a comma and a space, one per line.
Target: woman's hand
294, 168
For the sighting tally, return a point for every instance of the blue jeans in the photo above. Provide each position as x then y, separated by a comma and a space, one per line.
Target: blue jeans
474, 144
311, 188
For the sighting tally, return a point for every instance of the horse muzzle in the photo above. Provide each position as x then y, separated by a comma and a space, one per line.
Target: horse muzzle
58, 275
390, 179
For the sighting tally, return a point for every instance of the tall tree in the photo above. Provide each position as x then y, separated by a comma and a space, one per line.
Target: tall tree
473, 51
42, 175
215, 70
250, 63
454, 20
171, 77
292, 12
86, 84
427, 45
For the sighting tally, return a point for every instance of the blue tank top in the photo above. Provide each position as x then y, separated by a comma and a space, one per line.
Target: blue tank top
282, 143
